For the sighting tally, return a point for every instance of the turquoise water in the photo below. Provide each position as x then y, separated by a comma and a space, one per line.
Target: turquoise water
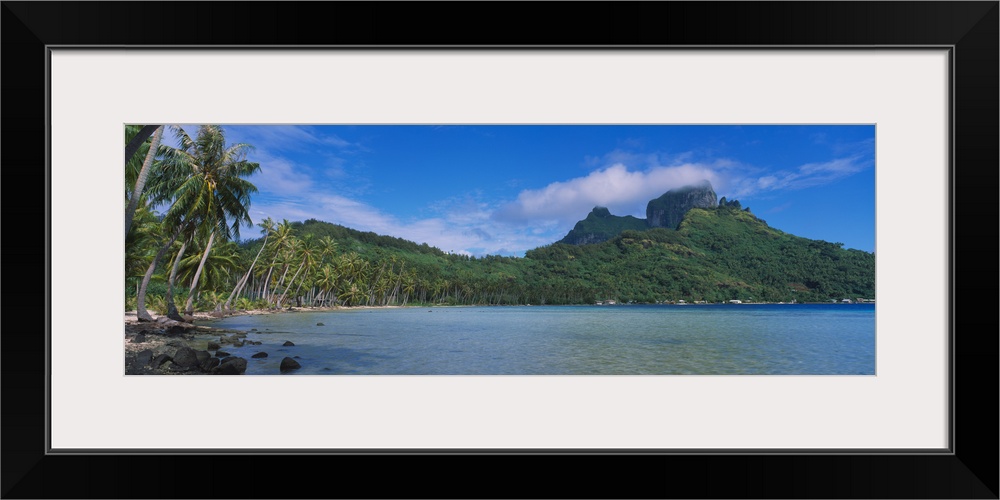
796, 339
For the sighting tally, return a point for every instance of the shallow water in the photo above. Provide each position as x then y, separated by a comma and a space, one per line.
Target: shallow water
567, 340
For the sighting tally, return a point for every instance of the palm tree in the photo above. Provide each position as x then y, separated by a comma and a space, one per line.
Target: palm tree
327, 248
171, 311
138, 137
326, 281
209, 184
141, 242
308, 252
141, 313
352, 294
267, 227
282, 237
150, 232
215, 272
409, 285
189, 306
287, 258
140, 182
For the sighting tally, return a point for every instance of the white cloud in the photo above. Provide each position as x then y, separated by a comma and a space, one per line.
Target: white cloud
280, 176
813, 174
457, 229
766, 181
623, 191
287, 138
838, 166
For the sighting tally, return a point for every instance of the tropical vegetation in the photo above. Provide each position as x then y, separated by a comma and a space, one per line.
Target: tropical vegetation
183, 246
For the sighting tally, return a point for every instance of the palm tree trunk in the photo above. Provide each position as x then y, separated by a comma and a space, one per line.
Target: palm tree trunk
246, 276
399, 279
280, 282
133, 202
171, 307
189, 306
296, 295
141, 313
263, 285
371, 291
282, 298
137, 141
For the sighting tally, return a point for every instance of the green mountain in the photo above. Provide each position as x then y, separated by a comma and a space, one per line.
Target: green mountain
665, 211
600, 226
716, 254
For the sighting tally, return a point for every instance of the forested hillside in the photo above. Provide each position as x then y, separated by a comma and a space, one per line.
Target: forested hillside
715, 255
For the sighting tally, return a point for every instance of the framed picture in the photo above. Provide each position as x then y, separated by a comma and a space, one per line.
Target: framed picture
921, 75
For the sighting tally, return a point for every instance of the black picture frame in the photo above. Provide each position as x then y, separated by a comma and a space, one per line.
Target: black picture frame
969, 28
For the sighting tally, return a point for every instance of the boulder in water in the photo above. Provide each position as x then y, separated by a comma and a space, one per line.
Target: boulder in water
231, 366
288, 364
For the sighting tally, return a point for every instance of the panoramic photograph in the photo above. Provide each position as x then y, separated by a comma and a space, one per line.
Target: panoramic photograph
499, 249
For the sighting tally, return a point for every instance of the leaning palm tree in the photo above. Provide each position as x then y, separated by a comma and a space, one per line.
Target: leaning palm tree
308, 252
267, 227
142, 175
141, 242
210, 186
326, 280
141, 313
216, 270
282, 237
288, 257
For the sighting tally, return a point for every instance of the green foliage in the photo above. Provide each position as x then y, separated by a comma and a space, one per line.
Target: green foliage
600, 226
731, 204
340, 233
714, 255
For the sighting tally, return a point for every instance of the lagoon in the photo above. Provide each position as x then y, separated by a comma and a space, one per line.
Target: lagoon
747, 339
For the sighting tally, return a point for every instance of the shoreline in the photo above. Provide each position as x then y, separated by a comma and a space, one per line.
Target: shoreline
151, 346
131, 317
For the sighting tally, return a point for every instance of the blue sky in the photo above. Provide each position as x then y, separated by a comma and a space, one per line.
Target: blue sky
504, 189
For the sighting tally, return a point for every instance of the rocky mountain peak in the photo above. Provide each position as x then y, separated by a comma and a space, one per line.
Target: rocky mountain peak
668, 210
